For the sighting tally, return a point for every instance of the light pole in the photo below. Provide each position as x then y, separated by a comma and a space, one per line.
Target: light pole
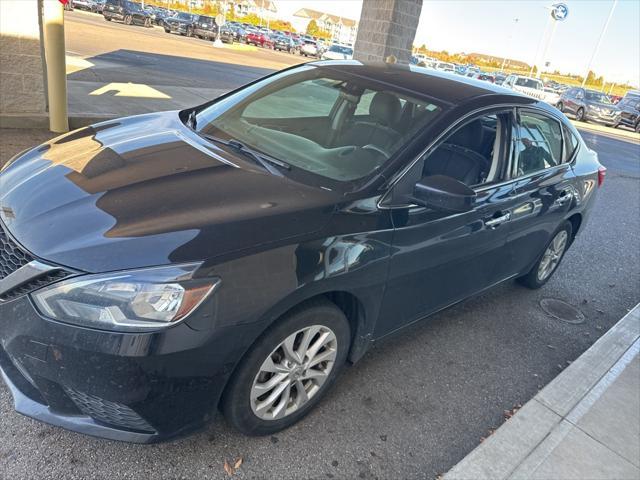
559, 12
515, 25
595, 50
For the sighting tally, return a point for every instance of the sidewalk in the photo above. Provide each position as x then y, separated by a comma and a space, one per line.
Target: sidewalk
584, 425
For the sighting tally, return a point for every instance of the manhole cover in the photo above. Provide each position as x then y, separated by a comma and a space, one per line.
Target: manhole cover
562, 310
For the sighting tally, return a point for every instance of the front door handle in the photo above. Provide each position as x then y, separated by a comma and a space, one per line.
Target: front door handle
497, 221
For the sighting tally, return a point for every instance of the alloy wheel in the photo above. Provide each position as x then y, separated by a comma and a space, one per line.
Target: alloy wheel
580, 114
294, 372
552, 255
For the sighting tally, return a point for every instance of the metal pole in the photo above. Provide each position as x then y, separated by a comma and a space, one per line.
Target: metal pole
611, 89
595, 50
513, 33
546, 48
54, 52
544, 35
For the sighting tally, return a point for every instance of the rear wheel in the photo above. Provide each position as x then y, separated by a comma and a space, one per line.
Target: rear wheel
580, 115
548, 262
147, 22
128, 20
189, 32
637, 129
288, 370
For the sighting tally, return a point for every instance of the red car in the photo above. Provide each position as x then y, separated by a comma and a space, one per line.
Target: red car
259, 39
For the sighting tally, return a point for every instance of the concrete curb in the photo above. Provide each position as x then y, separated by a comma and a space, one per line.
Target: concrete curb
612, 132
41, 121
511, 450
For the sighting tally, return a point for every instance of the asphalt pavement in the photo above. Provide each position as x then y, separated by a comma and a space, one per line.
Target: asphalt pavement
417, 403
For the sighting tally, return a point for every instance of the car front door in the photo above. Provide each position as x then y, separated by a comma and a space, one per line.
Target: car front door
439, 258
543, 187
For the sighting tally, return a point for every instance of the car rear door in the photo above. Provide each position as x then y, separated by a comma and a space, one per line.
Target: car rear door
440, 258
543, 187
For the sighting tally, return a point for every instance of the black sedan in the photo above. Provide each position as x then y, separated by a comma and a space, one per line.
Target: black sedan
238, 254
125, 11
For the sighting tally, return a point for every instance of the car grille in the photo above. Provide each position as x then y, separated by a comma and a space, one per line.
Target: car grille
11, 256
110, 413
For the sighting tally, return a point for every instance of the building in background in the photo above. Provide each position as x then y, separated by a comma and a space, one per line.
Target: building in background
341, 29
262, 8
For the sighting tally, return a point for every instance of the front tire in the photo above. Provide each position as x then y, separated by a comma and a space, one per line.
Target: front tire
580, 115
288, 370
559, 106
128, 20
548, 263
189, 32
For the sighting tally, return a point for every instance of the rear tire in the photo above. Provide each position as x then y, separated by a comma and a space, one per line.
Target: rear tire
128, 20
550, 259
253, 403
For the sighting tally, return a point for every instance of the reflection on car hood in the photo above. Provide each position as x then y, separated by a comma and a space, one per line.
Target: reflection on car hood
146, 190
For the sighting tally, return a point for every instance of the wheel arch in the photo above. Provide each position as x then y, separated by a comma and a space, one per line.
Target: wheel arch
576, 222
349, 303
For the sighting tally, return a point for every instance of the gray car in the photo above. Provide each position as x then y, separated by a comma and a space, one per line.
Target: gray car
590, 105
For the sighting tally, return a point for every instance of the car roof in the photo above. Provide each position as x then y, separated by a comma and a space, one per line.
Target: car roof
448, 87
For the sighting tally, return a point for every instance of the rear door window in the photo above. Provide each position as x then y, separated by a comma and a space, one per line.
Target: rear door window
539, 143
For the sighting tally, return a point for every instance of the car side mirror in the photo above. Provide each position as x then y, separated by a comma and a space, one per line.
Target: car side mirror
443, 193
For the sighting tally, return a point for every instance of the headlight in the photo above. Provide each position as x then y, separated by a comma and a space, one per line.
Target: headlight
135, 300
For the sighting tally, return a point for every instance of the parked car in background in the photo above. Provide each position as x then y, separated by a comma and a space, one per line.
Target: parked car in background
259, 39
591, 105
630, 110
227, 34
98, 6
284, 43
160, 14
182, 23
238, 254
485, 77
129, 13
532, 87
205, 27
499, 78
337, 52
445, 67
309, 48
88, 5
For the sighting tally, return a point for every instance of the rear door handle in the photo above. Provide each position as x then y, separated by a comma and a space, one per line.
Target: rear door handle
497, 221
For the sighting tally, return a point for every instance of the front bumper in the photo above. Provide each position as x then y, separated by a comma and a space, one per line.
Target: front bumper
113, 15
139, 388
176, 27
603, 118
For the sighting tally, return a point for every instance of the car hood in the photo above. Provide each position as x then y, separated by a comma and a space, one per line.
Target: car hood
176, 20
146, 190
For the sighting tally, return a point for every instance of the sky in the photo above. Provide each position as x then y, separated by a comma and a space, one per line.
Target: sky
488, 26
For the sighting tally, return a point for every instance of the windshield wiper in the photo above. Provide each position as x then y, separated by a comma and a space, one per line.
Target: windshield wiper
265, 161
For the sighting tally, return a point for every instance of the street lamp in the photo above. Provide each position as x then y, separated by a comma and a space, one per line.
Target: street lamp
595, 50
559, 13
515, 25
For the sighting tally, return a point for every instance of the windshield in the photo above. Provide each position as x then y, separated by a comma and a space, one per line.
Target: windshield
598, 97
529, 83
321, 121
184, 16
340, 49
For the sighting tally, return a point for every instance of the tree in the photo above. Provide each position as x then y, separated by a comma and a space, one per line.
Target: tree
312, 28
